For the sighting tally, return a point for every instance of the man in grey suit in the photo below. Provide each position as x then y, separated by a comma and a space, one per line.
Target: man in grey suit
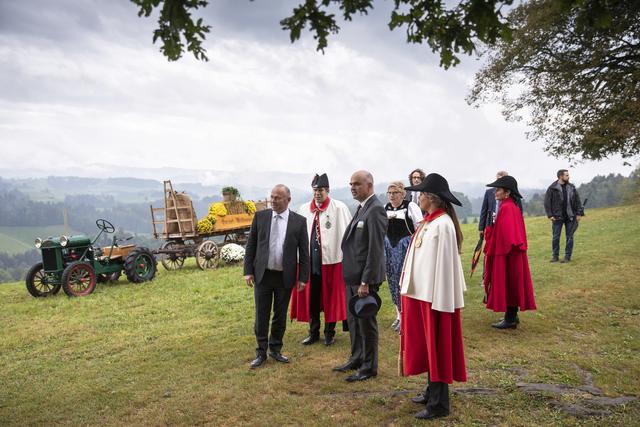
277, 240
363, 269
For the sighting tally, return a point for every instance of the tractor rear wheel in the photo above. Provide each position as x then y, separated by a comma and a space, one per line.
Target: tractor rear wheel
79, 279
38, 284
140, 265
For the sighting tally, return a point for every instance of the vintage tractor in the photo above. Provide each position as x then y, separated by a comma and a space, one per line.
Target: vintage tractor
74, 264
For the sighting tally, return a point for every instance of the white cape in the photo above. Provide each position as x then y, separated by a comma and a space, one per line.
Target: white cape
433, 272
333, 223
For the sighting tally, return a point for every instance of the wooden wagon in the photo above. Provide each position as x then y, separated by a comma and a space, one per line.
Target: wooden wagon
176, 223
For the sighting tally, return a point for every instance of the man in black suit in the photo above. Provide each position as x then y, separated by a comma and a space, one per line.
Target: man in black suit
363, 269
277, 240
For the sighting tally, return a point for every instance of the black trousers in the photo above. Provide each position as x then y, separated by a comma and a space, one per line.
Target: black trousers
315, 297
270, 292
437, 395
364, 336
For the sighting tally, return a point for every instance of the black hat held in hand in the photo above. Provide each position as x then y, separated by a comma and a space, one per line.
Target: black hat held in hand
508, 182
365, 307
435, 184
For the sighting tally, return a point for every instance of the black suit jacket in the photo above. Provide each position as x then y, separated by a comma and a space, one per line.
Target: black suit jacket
295, 251
363, 245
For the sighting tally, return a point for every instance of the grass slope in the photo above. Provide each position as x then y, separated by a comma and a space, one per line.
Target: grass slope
15, 240
175, 351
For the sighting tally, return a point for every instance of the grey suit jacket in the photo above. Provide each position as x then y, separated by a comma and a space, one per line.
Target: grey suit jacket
363, 245
296, 248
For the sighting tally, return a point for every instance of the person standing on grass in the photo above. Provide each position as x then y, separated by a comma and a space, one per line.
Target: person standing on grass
563, 207
432, 288
507, 279
327, 220
363, 272
277, 240
404, 217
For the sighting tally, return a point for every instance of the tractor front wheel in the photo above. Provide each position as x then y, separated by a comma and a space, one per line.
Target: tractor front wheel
38, 283
79, 279
140, 265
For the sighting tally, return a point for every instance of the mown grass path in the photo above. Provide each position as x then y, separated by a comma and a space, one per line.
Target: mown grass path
175, 351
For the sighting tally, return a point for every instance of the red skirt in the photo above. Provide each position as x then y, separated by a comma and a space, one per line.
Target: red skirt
332, 299
510, 281
431, 341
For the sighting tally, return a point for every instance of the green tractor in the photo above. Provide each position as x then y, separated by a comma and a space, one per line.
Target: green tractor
74, 264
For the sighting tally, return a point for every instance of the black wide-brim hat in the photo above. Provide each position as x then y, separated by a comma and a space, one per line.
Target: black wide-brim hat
435, 184
365, 307
320, 181
507, 182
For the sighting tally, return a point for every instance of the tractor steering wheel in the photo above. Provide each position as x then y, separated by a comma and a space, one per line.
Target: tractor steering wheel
105, 226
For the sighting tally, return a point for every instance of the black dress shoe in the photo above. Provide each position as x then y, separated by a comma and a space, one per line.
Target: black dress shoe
310, 340
359, 376
349, 366
279, 357
328, 340
258, 361
420, 399
426, 414
554, 259
503, 324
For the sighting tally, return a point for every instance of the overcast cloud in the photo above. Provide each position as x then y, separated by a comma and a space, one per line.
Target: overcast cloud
82, 83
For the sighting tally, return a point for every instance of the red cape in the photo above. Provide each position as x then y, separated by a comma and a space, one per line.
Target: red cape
332, 297
507, 277
431, 341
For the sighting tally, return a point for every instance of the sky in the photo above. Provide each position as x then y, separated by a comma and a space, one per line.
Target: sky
81, 83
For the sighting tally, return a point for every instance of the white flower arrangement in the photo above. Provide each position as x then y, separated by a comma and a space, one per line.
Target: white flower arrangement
231, 253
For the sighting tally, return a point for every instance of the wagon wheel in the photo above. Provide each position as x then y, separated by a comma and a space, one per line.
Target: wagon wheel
207, 255
171, 261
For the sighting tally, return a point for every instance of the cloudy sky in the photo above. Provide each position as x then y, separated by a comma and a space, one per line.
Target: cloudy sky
82, 83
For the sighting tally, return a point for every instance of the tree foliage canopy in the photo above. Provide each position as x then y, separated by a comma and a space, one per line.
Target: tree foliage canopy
447, 30
574, 67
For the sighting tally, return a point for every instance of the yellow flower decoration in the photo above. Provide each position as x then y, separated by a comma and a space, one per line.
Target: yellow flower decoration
250, 207
205, 225
217, 209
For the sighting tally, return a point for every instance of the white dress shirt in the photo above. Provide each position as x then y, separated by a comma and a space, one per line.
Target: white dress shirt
276, 239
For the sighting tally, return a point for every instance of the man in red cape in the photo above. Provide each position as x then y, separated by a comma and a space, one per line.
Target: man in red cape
432, 288
327, 219
507, 277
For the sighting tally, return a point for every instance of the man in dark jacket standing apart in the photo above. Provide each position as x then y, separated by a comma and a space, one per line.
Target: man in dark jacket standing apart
277, 240
563, 207
363, 269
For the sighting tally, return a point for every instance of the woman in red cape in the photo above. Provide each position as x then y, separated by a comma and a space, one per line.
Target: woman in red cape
432, 286
507, 279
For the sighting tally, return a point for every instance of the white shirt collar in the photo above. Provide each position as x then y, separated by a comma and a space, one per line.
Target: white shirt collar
284, 215
364, 202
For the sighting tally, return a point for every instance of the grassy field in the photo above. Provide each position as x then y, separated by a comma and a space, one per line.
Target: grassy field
176, 350
14, 240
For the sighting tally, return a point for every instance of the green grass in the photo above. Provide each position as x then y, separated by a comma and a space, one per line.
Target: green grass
176, 350
14, 240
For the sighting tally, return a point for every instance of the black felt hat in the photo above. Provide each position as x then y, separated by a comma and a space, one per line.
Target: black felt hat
365, 307
507, 182
320, 181
435, 184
